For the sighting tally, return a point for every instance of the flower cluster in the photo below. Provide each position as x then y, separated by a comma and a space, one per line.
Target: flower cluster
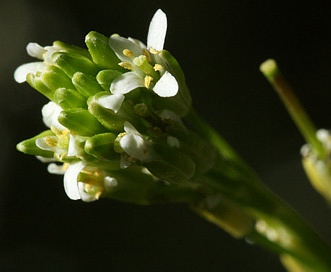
114, 116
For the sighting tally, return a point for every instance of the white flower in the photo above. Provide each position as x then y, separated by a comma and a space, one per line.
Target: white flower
142, 61
134, 144
39, 52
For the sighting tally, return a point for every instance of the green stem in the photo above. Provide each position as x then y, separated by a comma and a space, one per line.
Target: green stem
271, 71
239, 203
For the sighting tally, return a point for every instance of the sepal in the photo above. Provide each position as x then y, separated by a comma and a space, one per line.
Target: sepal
81, 122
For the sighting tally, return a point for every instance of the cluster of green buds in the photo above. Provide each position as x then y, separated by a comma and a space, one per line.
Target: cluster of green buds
115, 116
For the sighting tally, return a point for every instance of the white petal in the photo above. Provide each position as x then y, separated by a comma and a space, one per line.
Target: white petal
42, 144
173, 142
75, 145
118, 44
50, 113
54, 168
35, 50
70, 180
113, 101
129, 128
157, 31
22, 71
167, 85
126, 82
86, 197
135, 146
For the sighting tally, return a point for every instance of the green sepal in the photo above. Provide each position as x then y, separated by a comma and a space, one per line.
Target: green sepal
72, 49
200, 151
101, 53
101, 146
182, 101
86, 85
72, 63
69, 98
171, 165
49, 80
133, 186
29, 146
81, 122
108, 118
106, 77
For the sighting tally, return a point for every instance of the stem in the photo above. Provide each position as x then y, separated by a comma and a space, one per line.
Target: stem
238, 203
271, 71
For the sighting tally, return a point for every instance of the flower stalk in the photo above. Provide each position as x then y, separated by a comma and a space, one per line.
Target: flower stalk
316, 154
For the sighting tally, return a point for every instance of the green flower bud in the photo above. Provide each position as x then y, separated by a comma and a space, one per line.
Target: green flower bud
106, 77
108, 118
81, 122
47, 81
72, 49
100, 51
171, 164
101, 146
132, 185
29, 146
72, 63
200, 151
69, 98
86, 85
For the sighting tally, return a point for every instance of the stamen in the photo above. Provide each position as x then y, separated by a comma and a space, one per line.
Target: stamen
128, 53
158, 67
148, 56
154, 51
126, 65
51, 141
147, 82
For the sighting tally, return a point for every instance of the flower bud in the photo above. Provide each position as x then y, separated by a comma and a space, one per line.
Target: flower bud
71, 63
101, 146
106, 77
102, 55
171, 164
81, 122
29, 146
86, 85
69, 98
47, 81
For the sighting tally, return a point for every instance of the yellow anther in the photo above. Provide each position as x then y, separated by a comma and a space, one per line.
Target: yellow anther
128, 53
154, 51
126, 65
147, 81
158, 67
148, 56
51, 141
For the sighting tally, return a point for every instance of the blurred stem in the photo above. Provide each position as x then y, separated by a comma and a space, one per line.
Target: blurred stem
271, 71
239, 203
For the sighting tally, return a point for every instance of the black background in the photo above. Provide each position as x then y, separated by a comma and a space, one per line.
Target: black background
220, 45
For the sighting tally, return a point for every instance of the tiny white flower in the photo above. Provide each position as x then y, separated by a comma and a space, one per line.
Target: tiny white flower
112, 101
142, 61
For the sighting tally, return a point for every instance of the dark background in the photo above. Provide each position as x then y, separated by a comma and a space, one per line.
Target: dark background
220, 45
